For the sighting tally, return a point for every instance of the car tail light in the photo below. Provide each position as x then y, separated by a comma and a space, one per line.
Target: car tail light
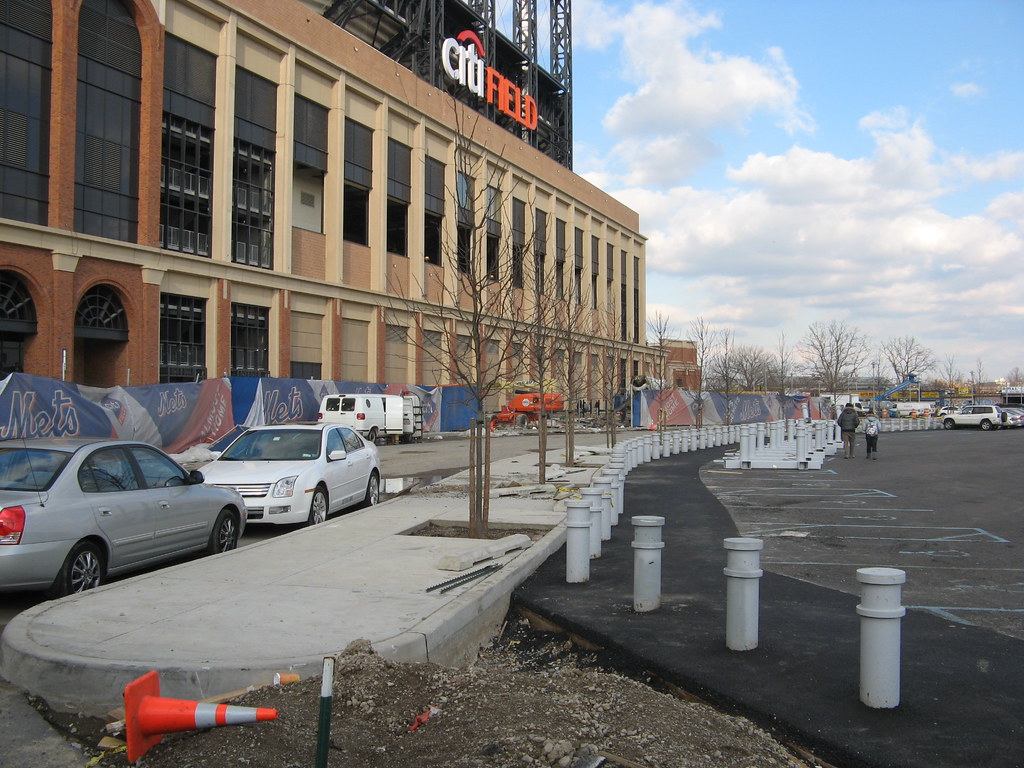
12, 524
360, 416
320, 416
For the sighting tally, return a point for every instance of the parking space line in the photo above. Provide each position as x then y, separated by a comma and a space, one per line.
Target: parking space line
839, 492
965, 534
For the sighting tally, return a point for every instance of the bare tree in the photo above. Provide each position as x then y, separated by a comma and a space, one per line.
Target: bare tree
785, 363
1015, 377
473, 310
723, 378
752, 366
833, 353
949, 373
705, 340
574, 327
660, 328
906, 355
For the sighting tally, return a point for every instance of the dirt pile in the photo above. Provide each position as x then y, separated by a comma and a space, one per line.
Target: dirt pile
530, 700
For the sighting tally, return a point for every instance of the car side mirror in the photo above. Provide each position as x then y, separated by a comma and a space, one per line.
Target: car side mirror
195, 477
337, 455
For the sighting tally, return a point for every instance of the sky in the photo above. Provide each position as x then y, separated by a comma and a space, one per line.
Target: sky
802, 161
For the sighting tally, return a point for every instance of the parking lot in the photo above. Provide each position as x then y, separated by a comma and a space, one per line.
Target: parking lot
944, 506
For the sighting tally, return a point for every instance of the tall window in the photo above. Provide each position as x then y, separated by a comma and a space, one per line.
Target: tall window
623, 295
595, 269
540, 250
518, 241
25, 43
493, 232
464, 223
186, 173
252, 226
636, 300
358, 182
433, 207
577, 271
399, 197
182, 338
560, 232
250, 340
107, 126
310, 165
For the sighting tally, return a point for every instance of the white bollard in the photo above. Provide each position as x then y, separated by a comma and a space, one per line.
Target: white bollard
881, 612
616, 484
743, 571
577, 541
647, 449
647, 546
604, 485
593, 498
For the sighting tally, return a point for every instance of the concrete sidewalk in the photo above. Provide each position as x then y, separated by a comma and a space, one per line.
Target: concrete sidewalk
222, 623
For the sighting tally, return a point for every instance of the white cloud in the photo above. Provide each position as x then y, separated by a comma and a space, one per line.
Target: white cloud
682, 94
966, 90
802, 234
1003, 166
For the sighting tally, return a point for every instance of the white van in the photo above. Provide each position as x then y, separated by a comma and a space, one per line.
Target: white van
375, 416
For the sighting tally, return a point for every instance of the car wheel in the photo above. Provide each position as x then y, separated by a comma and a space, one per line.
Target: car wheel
372, 490
318, 507
986, 425
949, 424
82, 570
521, 420
224, 536
372, 435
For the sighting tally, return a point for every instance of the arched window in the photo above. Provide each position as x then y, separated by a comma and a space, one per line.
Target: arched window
107, 134
101, 315
17, 321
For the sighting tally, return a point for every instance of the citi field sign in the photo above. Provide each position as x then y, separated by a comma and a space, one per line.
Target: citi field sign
463, 60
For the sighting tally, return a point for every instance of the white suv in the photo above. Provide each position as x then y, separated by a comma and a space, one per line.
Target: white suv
984, 416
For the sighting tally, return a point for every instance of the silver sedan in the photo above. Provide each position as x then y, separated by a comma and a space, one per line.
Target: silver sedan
74, 511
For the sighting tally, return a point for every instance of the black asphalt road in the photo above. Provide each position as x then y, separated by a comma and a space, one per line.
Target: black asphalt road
962, 685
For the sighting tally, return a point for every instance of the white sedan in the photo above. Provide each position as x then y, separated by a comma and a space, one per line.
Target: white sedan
298, 473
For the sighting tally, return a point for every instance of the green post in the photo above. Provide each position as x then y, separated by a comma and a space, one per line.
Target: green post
323, 739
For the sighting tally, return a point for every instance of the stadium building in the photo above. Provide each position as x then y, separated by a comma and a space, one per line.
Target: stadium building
194, 189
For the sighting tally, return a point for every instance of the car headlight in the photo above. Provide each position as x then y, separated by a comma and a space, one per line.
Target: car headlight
284, 487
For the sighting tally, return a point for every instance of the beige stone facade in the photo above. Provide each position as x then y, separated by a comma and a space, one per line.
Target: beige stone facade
318, 287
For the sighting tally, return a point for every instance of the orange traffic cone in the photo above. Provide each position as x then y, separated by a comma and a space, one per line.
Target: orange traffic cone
148, 716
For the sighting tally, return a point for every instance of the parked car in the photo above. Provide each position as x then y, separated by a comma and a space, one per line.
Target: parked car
985, 416
75, 511
298, 473
946, 410
1014, 417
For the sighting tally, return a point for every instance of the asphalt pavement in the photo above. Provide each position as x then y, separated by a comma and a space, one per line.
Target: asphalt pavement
962, 685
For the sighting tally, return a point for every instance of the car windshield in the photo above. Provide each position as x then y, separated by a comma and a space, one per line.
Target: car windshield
29, 469
274, 445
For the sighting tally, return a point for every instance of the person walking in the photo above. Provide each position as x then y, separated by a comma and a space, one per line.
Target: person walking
848, 421
872, 426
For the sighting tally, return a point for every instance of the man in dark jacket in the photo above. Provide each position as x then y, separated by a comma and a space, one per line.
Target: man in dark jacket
848, 421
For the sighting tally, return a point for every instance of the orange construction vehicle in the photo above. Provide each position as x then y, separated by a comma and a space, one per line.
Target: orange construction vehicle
525, 408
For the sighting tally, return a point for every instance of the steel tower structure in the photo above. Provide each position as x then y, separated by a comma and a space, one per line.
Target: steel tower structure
411, 32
